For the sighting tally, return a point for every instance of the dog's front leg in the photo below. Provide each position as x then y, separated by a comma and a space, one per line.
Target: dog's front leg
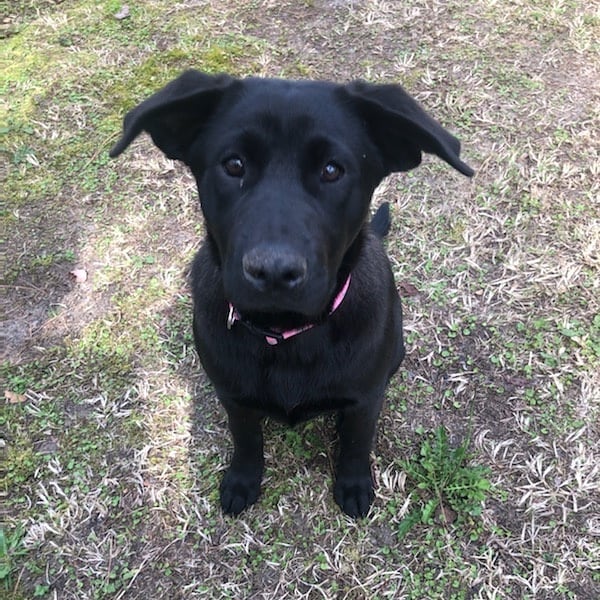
353, 488
241, 483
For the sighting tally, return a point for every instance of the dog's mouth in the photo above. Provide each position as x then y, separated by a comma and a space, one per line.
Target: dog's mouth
280, 307
281, 324
276, 321
278, 313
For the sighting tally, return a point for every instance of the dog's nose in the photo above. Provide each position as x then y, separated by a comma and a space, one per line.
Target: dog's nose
272, 267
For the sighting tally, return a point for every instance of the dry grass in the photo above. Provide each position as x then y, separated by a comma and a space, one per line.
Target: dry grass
114, 442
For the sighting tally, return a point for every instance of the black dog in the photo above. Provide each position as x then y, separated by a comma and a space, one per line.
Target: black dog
295, 308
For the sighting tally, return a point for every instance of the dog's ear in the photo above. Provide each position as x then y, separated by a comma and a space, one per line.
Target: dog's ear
401, 129
174, 115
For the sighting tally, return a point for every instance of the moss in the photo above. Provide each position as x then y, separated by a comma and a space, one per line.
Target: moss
22, 64
222, 55
21, 463
47, 82
126, 91
234, 54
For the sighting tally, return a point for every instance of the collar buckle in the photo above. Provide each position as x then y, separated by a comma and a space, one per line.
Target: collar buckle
231, 316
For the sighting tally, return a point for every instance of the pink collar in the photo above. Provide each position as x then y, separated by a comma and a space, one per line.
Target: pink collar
274, 337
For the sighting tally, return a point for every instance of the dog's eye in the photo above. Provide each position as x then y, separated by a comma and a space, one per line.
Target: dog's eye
331, 172
234, 166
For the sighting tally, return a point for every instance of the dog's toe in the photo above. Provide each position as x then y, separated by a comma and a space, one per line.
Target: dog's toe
354, 495
238, 491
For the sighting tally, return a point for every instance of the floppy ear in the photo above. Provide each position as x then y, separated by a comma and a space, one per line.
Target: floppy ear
174, 115
401, 129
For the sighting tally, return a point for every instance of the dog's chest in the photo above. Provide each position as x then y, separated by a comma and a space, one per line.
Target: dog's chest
292, 394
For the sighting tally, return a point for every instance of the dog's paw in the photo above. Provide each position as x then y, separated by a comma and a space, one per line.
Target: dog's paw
238, 491
354, 494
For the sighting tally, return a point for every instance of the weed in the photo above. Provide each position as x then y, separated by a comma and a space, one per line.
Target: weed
448, 487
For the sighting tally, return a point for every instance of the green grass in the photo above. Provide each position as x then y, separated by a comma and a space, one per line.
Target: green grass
113, 443
11, 550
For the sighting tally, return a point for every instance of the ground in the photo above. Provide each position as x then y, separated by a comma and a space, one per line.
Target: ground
113, 442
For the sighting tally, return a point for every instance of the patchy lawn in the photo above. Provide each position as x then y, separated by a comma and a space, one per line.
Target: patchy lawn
113, 442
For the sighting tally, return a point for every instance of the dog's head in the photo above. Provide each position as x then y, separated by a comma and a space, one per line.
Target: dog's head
285, 171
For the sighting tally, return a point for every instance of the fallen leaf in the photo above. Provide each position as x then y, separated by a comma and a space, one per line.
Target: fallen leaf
78, 275
122, 13
13, 397
445, 515
407, 289
47, 445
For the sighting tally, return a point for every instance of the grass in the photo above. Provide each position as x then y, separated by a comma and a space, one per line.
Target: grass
113, 442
